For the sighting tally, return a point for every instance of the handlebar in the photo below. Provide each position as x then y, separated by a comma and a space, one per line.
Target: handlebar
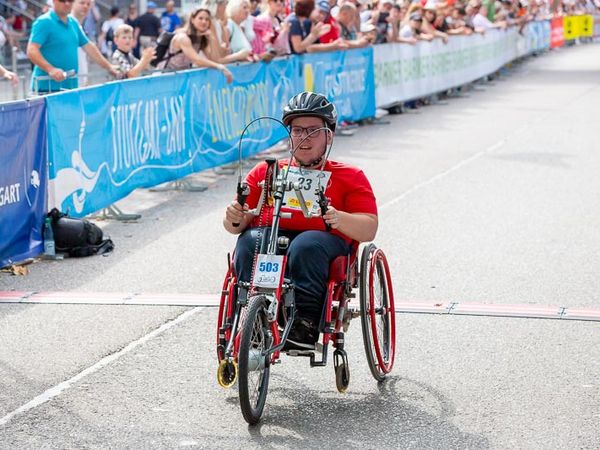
243, 190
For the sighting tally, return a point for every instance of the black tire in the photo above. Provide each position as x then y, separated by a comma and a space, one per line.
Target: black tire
342, 378
386, 335
255, 338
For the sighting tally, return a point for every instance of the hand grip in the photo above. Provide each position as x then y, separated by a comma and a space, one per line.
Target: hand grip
242, 194
324, 203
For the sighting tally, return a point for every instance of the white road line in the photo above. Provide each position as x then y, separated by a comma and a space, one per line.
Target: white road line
432, 180
60, 388
524, 127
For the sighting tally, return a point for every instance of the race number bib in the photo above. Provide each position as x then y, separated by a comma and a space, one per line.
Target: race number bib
309, 181
268, 271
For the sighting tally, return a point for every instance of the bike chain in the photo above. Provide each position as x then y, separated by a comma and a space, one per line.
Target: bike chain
261, 219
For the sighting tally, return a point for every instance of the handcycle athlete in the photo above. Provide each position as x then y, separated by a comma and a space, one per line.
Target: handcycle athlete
295, 263
349, 218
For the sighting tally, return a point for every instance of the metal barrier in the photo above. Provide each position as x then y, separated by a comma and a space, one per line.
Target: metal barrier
35, 91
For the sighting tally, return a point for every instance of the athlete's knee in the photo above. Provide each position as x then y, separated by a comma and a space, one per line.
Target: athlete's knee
307, 244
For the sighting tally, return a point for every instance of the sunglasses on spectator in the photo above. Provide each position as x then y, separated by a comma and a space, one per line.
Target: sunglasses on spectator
66, 1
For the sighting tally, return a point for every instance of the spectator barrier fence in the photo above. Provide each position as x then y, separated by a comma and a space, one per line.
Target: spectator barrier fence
105, 141
23, 179
108, 140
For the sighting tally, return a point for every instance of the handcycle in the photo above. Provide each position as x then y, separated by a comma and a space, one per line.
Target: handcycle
255, 318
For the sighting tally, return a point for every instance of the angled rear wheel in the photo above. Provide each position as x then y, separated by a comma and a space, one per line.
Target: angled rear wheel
377, 311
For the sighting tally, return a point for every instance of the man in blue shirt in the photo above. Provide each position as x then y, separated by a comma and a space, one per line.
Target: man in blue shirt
55, 38
169, 20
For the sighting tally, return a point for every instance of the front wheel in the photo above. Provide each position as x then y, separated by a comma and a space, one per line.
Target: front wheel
377, 312
253, 360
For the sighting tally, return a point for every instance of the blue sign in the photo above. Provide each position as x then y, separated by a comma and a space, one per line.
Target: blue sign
546, 31
347, 78
106, 141
538, 35
22, 180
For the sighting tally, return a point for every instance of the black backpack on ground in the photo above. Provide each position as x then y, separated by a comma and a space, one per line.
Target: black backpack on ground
163, 43
78, 237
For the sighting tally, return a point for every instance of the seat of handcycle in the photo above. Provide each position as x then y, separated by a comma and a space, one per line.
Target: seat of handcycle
339, 266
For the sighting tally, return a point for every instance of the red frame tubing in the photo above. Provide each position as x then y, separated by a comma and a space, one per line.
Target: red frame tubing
276, 340
378, 255
331, 285
229, 287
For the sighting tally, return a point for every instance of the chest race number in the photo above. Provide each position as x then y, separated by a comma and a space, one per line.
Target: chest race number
305, 183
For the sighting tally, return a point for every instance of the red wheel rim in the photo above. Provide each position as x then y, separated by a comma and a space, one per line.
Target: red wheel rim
389, 312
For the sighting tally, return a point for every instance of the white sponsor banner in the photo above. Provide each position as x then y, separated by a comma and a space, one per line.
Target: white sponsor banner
406, 72
187, 6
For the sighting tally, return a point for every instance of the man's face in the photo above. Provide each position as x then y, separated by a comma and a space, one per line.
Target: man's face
170, 7
386, 6
309, 148
124, 42
277, 5
320, 15
81, 7
345, 16
63, 7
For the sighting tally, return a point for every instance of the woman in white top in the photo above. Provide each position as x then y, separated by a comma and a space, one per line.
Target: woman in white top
219, 45
190, 43
240, 25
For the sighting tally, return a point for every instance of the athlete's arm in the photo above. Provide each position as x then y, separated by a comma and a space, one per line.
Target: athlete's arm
360, 227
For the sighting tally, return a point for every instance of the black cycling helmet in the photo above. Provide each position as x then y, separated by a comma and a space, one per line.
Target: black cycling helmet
310, 104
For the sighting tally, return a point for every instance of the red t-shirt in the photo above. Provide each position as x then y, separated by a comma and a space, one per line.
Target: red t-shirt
348, 190
333, 34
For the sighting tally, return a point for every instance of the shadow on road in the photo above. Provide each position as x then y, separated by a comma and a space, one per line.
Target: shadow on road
402, 414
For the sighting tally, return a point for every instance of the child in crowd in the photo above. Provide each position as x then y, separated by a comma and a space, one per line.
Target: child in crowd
129, 65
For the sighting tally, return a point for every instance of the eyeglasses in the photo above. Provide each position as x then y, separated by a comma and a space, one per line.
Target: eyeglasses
66, 1
310, 131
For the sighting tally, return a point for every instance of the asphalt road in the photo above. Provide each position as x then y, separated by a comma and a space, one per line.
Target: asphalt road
492, 198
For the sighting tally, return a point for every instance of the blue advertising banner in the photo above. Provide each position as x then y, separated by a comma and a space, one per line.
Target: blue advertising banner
538, 36
346, 78
546, 34
22, 180
108, 140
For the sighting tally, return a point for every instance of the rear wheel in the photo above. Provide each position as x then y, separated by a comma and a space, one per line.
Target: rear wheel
377, 311
253, 360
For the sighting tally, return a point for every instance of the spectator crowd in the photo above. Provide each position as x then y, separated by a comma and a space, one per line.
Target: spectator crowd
126, 44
